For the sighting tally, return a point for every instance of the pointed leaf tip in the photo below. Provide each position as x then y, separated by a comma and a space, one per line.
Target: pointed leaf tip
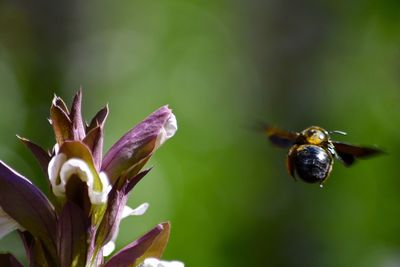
76, 117
151, 245
94, 141
57, 101
61, 123
41, 155
99, 119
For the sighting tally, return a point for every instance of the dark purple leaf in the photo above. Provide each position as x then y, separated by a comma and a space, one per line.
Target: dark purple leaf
152, 244
57, 101
60, 121
94, 141
42, 156
8, 260
75, 116
132, 182
99, 119
27, 205
72, 229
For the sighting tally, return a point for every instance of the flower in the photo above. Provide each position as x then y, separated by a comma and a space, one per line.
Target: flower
153, 262
77, 224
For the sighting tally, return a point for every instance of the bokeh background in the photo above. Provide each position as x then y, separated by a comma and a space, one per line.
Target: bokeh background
223, 66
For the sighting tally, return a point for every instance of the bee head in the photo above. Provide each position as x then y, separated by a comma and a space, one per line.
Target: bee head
315, 135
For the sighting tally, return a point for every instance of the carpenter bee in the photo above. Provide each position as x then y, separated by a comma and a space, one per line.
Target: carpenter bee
312, 152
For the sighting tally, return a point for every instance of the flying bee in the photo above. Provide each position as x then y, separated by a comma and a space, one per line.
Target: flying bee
312, 152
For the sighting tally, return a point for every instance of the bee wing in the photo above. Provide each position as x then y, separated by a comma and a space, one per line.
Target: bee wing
280, 138
349, 153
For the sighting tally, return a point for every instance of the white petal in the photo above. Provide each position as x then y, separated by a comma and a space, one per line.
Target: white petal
136, 212
56, 148
59, 167
68, 169
171, 126
108, 248
167, 131
54, 167
101, 197
7, 224
153, 262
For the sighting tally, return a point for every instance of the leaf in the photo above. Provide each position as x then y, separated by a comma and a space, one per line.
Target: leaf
75, 116
132, 182
152, 244
57, 101
158, 245
60, 121
99, 119
27, 205
41, 155
94, 141
72, 236
8, 260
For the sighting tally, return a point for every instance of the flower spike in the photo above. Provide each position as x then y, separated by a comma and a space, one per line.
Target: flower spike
89, 193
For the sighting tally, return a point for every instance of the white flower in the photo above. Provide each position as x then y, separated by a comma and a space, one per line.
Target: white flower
7, 224
60, 170
108, 248
167, 131
153, 262
135, 212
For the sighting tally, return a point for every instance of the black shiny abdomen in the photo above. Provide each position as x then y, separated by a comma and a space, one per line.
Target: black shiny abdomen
312, 163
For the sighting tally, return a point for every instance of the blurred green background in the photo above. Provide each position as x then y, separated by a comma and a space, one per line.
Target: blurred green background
223, 66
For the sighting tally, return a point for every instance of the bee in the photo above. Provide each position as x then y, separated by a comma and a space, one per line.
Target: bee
312, 152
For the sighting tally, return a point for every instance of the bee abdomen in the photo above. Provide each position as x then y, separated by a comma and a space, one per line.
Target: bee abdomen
312, 163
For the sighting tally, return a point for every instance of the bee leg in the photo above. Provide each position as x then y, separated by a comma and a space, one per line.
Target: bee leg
345, 159
331, 149
290, 161
337, 132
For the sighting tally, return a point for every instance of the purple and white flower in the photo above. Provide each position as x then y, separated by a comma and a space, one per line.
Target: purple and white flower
77, 224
